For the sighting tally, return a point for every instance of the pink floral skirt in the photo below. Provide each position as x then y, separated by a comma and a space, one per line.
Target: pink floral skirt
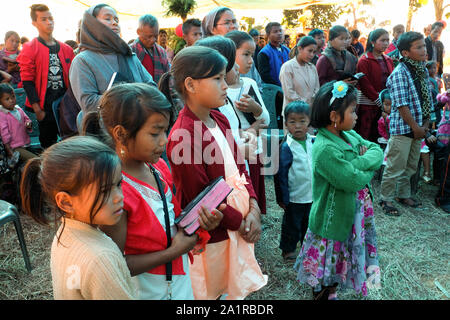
352, 263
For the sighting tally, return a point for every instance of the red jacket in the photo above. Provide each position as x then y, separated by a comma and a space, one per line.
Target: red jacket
34, 63
144, 231
371, 85
192, 175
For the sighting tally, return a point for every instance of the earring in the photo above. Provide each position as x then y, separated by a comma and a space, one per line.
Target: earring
122, 153
335, 124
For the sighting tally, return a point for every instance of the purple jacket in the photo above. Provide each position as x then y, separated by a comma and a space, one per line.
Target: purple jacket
12, 131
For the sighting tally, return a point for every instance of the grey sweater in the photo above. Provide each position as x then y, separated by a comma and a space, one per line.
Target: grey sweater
91, 72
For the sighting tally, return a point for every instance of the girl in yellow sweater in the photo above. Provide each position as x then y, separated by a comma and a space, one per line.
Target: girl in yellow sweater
79, 181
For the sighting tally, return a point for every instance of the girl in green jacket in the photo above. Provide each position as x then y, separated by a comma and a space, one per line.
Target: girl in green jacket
340, 245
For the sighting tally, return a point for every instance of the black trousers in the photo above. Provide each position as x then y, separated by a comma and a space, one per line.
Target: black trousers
294, 225
48, 129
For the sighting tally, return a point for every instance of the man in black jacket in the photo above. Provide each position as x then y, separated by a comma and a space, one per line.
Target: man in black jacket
435, 48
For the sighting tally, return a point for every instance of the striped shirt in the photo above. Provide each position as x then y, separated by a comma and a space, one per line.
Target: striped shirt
403, 93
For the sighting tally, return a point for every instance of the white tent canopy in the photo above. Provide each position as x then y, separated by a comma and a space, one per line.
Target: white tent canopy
67, 13
154, 7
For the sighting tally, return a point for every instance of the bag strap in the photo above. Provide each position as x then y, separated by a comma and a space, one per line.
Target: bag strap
166, 220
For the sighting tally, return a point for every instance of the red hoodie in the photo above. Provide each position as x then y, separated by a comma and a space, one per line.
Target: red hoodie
371, 85
34, 63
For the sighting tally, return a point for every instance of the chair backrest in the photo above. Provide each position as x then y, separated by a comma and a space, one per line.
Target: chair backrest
271, 95
20, 97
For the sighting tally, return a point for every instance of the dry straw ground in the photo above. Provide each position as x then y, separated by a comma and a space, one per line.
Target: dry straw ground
413, 248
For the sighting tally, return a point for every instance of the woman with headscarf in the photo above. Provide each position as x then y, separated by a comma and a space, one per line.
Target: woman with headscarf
105, 58
219, 21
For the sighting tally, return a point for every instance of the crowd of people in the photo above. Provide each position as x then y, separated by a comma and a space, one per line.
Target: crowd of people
146, 128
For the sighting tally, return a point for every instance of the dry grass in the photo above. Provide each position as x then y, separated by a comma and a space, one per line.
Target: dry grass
413, 248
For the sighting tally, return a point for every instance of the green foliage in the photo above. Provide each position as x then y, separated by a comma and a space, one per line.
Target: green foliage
323, 16
179, 8
290, 18
247, 23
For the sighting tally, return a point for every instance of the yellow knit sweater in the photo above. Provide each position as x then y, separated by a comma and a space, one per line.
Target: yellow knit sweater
87, 264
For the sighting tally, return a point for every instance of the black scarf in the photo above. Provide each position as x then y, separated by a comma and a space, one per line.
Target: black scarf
420, 77
97, 37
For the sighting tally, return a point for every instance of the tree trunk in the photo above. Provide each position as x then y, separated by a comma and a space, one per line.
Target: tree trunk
410, 14
439, 8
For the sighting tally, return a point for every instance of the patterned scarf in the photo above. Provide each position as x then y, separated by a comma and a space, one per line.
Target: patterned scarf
158, 56
420, 76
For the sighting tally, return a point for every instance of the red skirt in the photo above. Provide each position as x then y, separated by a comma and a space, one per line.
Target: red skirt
367, 123
258, 184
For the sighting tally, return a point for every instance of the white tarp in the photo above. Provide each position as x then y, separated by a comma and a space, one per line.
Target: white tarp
154, 7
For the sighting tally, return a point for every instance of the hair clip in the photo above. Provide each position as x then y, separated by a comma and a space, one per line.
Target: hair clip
340, 89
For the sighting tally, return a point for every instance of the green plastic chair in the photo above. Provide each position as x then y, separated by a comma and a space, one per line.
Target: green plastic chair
9, 213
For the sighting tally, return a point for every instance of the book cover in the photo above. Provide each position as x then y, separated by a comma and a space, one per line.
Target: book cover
211, 197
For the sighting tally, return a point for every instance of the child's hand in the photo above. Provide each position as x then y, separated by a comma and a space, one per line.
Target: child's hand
248, 104
252, 223
211, 220
419, 132
432, 139
183, 243
362, 150
256, 126
350, 81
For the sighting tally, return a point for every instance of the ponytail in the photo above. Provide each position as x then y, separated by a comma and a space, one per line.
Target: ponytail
92, 126
31, 191
167, 87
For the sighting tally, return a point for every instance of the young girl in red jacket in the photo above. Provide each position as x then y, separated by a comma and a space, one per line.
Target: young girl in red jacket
201, 148
136, 116
377, 67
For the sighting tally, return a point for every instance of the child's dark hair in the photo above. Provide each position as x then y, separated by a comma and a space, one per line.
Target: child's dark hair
315, 32
5, 88
302, 43
373, 37
437, 24
239, 37
128, 105
188, 24
9, 34
405, 41
254, 32
299, 107
384, 95
70, 166
355, 33
197, 62
430, 64
270, 25
225, 46
321, 108
336, 31
37, 8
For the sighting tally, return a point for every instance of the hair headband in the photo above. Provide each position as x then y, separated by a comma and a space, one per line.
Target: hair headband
340, 89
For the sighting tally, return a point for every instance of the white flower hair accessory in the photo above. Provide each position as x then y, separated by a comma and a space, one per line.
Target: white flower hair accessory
340, 89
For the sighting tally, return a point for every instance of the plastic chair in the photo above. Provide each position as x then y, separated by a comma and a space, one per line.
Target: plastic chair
272, 95
9, 213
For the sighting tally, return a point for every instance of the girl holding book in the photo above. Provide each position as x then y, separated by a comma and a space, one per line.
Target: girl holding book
228, 265
136, 116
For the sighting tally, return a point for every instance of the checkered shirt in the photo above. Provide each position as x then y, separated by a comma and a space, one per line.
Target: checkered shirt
403, 93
